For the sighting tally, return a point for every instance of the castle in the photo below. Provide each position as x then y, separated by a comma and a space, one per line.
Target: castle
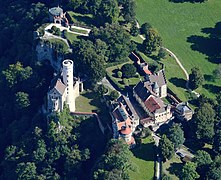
149, 93
64, 90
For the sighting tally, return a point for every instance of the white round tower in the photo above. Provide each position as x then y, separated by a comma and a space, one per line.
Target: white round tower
68, 81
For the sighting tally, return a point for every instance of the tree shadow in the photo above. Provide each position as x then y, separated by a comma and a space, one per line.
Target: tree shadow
212, 88
175, 168
210, 45
209, 77
178, 82
183, 1
83, 20
144, 151
114, 73
91, 138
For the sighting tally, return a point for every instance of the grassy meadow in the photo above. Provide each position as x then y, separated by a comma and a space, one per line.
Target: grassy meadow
186, 29
143, 160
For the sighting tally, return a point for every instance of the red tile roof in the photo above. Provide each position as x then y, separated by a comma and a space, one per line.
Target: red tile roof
151, 104
126, 131
146, 70
124, 123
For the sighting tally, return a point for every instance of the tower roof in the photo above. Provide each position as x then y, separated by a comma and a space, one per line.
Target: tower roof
155, 86
56, 11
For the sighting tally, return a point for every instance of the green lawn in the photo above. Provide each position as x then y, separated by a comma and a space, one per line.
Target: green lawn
181, 27
72, 37
172, 167
87, 102
85, 20
79, 30
144, 160
112, 71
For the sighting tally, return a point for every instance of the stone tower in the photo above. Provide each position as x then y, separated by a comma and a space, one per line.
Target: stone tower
68, 80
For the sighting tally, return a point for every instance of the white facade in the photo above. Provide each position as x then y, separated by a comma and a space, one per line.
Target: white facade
68, 79
65, 90
163, 91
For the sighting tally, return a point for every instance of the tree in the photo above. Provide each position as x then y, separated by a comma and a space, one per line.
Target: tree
116, 160
214, 173
195, 78
108, 12
162, 54
16, 73
89, 60
203, 161
152, 42
128, 10
204, 122
26, 170
215, 169
128, 70
166, 147
217, 141
117, 39
189, 172
176, 135
40, 152
134, 30
101, 90
22, 100
217, 72
145, 28
114, 95
119, 74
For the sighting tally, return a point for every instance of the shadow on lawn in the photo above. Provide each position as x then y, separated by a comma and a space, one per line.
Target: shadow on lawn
210, 45
145, 151
94, 100
175, 168
212, 88
178, 82
209, 77
85, 19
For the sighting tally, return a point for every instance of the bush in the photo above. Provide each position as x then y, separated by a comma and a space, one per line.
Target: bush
128, 70
65, 33
114, 95
145, 27
119, 74
134, 31
125, 81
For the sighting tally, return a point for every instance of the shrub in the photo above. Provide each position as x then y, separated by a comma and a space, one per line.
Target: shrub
128, 70
119, 74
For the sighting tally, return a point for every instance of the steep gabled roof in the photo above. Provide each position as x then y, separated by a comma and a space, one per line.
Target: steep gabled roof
151, 104
128, 106
142, 91
159, 77
57, 84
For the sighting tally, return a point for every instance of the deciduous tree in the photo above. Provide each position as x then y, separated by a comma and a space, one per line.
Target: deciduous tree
204, 122
22, 100
189, 172
17, 73
152, 42
195, 78
128, 70
176, 135
166, 147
